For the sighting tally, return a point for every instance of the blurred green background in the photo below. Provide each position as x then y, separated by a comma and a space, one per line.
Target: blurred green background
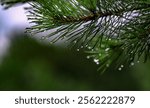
33, 65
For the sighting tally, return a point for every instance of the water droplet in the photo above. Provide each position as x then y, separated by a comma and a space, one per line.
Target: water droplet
120, 69
131, 52
97, 63
88, 57
132, 64
86, 46
122, 66
107, 49
75, 42
81, 46
89, 47
96, 60
78, 49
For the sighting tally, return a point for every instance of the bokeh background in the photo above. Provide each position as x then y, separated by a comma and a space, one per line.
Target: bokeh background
27, 63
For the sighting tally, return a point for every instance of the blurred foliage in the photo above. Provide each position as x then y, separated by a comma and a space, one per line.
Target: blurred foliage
31, 65
9, 3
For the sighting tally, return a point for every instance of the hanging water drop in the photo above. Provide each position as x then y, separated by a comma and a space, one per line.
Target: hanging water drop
132, 64
89, 47
122, 66
88, 57
107, 65
120, 69
86, 46
109, 39
107, 49
75, 42
96, 60
97, 63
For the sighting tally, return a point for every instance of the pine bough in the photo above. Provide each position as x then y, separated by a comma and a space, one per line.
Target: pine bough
115, 33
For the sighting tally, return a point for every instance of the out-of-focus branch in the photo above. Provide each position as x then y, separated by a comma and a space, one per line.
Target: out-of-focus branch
9, 3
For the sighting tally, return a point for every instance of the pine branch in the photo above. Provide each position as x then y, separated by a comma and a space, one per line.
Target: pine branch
95, 24
50, 15
116, 32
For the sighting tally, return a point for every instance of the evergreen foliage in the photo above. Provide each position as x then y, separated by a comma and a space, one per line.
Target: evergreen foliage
9, 3
115, 33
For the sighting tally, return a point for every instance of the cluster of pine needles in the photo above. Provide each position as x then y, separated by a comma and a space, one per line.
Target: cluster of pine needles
115, 33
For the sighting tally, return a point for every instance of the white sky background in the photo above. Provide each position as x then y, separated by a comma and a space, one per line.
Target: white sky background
11, 19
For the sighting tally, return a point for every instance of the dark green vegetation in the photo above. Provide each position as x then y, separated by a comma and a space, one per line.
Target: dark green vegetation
30, 65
